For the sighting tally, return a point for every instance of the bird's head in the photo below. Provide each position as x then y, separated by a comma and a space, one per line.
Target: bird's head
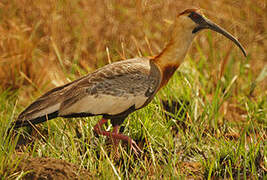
193, 21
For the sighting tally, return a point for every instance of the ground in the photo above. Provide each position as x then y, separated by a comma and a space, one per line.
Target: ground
48, 168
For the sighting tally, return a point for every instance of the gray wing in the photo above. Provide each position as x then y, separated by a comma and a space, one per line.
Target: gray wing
113, 89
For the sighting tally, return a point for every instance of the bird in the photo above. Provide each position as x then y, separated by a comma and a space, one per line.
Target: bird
120, 88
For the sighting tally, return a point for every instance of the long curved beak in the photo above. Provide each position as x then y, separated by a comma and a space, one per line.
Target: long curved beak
208, 24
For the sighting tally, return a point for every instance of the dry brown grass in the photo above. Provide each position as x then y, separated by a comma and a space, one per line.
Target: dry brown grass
44, 42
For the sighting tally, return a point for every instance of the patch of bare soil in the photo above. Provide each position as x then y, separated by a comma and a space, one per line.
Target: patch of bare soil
48, 168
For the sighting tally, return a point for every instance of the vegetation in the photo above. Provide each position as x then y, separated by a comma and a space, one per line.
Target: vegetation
216, 127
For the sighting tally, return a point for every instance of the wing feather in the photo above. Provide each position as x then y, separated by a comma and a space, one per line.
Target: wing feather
112, 90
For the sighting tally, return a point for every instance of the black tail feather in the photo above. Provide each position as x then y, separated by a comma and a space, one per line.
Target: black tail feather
38, 120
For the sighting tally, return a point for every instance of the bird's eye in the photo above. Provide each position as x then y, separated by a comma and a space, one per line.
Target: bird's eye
194, 15
197, 18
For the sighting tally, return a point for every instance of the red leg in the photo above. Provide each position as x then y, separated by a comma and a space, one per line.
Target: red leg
116, 131
115, 135
115, 141
98, 126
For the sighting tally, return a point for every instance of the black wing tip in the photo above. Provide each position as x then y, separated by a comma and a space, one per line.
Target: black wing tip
22, 122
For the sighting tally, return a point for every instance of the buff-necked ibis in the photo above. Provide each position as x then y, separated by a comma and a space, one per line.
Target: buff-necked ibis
118, 89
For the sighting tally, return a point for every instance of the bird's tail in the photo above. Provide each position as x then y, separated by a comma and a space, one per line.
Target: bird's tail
44, 108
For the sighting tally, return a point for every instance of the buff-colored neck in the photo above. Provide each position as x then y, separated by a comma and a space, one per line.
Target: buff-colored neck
174, 53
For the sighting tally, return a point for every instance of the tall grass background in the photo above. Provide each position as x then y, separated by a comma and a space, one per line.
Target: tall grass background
46, 43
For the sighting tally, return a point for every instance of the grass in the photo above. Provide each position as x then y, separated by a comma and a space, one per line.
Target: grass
219, 131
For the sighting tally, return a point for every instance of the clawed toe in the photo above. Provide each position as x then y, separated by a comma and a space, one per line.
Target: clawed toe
136, 149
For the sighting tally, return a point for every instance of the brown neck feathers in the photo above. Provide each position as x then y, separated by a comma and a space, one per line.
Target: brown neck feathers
167, 73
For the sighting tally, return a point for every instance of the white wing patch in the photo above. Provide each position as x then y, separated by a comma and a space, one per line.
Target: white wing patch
104, 104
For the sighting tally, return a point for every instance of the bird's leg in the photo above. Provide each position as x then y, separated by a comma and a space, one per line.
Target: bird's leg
115, 135
116, 131
98, 126
114, 140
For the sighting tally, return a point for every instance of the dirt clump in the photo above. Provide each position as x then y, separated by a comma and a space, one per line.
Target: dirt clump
41, 168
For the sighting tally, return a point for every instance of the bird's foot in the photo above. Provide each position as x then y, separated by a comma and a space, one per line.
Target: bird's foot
136, 149
115, 136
